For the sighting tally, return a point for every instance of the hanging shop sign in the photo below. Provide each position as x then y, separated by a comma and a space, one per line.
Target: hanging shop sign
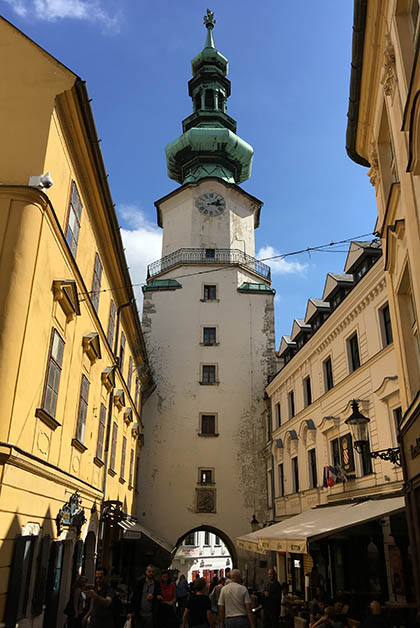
71, 515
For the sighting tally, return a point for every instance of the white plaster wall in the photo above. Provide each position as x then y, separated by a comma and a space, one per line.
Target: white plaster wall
173, 450
185, 226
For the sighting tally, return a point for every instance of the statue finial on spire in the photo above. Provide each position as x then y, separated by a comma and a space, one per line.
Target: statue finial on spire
209, 20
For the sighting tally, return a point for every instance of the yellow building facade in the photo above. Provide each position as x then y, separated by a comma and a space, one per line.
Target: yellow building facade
383, 135
72, 356
341, 350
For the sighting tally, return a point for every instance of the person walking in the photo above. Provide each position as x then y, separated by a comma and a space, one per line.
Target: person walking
214, 598
198, 612
235, 609
182, 595
272, 600
100, 613
145, 606
77, 605
167, 617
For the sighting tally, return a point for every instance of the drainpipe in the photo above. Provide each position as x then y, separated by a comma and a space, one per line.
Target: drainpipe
109, 419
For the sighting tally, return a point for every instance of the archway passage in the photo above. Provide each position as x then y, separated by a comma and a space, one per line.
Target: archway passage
204, 551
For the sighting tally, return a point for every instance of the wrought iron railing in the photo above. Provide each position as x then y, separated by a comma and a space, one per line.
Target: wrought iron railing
208, 256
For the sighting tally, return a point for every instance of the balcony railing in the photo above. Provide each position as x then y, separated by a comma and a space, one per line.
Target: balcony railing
208, 256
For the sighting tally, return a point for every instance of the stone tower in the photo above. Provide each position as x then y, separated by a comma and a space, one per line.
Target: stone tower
208, 321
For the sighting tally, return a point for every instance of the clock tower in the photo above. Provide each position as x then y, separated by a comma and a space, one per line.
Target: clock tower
208, 320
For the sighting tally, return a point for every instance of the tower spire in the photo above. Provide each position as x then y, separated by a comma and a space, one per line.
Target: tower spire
209, 22
209, 146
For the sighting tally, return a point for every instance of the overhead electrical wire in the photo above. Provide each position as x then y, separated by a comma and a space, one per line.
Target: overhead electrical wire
321, 248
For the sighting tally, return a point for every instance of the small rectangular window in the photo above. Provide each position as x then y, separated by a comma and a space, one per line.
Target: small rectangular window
131, 470
385, 323
397, 412
278, 414
53, 374
96, 282
113, 446
307, 391
295, 475
82, 412
111, 325
291, 401
123, 456
269, 488
328, 374
208, 424
210, 253
209, 335
190, 539
73, 219
313, 476
101, 432
209, 293
366, 461
206, 476
353, 353
209, 374
122, 352
130, 373
217, 541
206, 538
280, 473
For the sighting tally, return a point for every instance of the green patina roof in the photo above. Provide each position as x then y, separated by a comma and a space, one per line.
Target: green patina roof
161, 284
209, 145
256, 288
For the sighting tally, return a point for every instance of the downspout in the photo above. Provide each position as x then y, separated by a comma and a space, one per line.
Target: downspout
109, 420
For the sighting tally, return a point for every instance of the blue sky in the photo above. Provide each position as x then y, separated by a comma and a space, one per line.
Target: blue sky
289, 63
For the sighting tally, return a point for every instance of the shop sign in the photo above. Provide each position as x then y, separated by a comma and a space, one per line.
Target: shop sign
297, 547
71, 514
415, 449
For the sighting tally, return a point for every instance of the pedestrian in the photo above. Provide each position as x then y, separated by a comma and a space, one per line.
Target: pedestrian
272, 600
214, 598
77, 605
376, 618
167, 617
235, 609
227, 576
145, 606
182, 595
213, 583
198, 613
100, 613
285, 602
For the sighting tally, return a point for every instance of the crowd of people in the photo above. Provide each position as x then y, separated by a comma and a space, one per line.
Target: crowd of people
223, 603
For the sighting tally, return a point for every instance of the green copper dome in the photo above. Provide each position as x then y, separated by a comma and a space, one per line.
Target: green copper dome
209, 145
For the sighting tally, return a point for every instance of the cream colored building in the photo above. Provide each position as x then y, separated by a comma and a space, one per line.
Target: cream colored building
383, 135
72, 357
341, 350
208, 321
202, 553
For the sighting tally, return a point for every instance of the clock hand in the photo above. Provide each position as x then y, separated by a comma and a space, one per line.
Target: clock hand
217, 203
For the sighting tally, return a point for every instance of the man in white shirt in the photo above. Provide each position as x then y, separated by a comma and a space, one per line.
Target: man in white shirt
235, 610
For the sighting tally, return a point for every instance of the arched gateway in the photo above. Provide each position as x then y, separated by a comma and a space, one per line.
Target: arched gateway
208, 321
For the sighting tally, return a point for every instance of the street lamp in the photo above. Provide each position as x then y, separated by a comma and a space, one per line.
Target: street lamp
359, 428
255, 524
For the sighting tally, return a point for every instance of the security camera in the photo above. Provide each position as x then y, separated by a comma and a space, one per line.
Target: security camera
43, 181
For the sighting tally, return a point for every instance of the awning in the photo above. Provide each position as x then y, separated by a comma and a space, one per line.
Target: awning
294, 534
133, 530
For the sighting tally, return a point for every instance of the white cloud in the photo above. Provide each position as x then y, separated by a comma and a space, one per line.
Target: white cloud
143, 244
280, 266
52, 10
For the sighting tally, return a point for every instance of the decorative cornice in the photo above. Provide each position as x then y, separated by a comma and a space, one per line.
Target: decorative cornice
372, 294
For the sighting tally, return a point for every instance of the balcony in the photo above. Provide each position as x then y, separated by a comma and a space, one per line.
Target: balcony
213, 257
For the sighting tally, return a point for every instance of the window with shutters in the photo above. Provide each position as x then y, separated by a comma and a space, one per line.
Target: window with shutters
101, 432
19, 579
295, 475
123, 456
73, 219
40, 585
313, 476
82, 411
353, 353
53, 374
122, 352
111, 325
131, 470
113, 446
96, 282
328, 374
130, 373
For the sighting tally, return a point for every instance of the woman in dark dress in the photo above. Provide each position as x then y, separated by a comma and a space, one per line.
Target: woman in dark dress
198, 612
167, 616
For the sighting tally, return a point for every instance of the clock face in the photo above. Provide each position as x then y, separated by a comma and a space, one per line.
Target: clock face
211, 204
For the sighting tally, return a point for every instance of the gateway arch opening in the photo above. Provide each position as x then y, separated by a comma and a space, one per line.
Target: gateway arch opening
204, 552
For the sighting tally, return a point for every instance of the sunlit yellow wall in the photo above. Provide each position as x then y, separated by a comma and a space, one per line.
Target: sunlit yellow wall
41, 464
